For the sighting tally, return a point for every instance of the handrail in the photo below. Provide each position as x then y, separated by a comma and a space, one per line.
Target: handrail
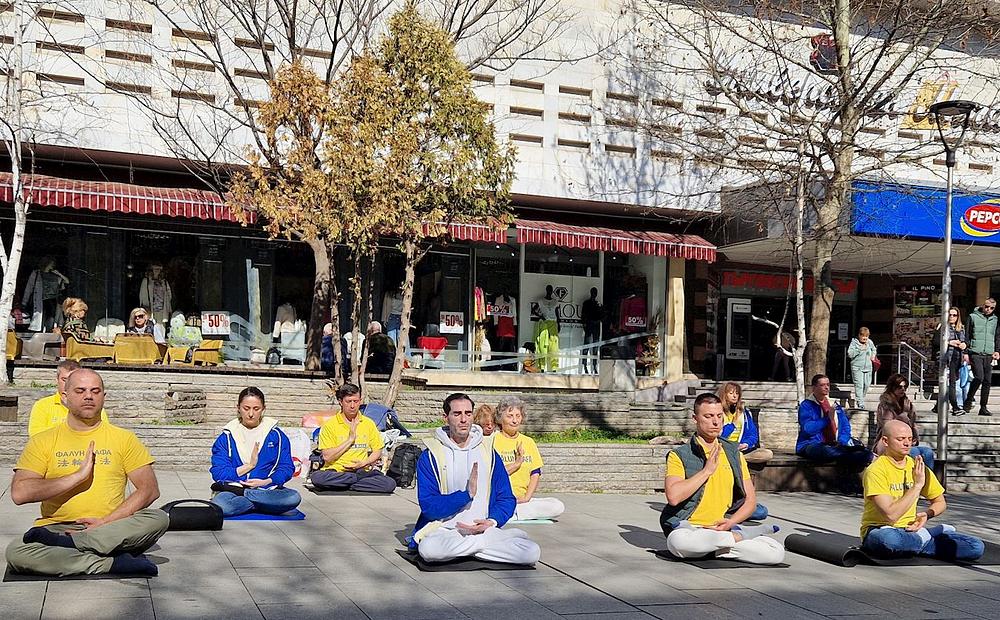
912, 355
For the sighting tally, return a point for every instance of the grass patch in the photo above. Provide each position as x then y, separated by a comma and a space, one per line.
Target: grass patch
592, 435
423, 425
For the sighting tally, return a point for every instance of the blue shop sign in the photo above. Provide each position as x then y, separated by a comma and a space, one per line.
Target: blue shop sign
918, 213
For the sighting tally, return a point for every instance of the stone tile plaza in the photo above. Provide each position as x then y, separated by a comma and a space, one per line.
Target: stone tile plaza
596, 564
527, 309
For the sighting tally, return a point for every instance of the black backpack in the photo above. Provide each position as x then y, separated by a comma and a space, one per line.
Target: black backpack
403, 466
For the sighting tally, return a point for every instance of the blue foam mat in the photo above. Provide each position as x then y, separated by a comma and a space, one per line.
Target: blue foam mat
291, 515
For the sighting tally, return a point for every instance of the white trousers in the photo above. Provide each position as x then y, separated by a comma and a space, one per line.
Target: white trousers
699, 542
539, 508
494, 545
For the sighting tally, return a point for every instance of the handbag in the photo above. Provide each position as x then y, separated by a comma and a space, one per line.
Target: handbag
202, 516
876, 364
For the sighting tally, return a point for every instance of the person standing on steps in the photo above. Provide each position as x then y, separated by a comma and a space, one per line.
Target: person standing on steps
861, 353
953, 356
983, 351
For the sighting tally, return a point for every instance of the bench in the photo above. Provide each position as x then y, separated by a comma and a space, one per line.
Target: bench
790, 472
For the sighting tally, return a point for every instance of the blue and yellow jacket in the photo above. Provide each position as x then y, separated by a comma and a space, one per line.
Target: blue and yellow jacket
274, 459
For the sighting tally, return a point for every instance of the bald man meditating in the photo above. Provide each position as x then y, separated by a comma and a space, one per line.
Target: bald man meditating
78, 470
891, 526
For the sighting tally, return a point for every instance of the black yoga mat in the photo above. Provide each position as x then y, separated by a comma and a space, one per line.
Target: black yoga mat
710, 562
845, 550
325, 492
11, 576
461, 564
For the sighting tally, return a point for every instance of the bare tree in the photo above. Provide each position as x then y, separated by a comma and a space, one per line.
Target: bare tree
829, 87
223, 53
33, 110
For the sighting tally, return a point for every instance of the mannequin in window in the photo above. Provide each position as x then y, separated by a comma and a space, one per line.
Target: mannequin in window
546, 311
591, 314
392, 312
42, 292
285, 320
504, 313
155, 294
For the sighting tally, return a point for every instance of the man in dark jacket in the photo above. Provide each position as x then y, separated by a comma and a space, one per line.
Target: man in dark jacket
983, 351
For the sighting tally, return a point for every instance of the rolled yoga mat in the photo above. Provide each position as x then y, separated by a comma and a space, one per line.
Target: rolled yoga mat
844, 550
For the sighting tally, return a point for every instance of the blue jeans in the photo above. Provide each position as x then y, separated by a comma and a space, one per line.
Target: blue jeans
893, 542
926, 452
392, 326
841, 454
266, 501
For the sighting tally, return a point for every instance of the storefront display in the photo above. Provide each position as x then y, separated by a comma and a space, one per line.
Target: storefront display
916, 314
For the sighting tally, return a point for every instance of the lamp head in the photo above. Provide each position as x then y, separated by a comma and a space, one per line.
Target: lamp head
954, 113
957, 107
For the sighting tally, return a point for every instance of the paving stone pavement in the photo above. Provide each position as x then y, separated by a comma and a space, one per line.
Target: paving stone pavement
341, 563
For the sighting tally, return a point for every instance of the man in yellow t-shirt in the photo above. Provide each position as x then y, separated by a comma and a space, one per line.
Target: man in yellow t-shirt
523, 462
890, 524
707, 503
351, 445
79, 471
50, 412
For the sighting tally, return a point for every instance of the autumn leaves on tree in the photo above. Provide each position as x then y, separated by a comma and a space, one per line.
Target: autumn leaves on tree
396, 148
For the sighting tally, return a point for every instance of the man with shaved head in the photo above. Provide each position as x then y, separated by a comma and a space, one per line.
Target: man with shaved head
78, 470
891, 526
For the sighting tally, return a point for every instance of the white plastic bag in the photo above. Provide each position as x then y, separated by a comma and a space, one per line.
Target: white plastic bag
301, 446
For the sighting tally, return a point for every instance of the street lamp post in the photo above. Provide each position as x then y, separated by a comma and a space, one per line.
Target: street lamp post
948, 115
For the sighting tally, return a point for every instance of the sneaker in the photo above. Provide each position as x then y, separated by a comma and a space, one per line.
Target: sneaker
958, 412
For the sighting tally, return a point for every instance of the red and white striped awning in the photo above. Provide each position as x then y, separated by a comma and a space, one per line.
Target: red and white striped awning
474, 232
690, 247
118, 197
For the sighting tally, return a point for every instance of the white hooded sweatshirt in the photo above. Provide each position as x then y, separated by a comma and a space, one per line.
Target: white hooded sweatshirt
459, 466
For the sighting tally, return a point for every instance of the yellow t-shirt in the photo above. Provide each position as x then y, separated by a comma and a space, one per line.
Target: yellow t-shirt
884, 477
335, 431
59, 451
507, 449
49, 412
730, 418
718, 496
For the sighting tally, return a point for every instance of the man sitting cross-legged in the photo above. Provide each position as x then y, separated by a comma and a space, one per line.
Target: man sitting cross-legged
825, 429
465, 496
706, 480
78, 471
351, 446
891, 525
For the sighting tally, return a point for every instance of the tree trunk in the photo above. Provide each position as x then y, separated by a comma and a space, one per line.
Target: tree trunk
10, 258
338, 355
354, 354
412, 253
322, 278
798, 353
822, 306
369, 286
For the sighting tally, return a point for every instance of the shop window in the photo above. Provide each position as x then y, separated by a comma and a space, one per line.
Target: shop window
497, 275
553, 260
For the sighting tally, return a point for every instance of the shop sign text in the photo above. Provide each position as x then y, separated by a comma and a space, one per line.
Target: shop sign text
215, 323
452, 323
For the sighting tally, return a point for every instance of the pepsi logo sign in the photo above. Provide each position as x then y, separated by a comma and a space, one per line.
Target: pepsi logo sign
982, 220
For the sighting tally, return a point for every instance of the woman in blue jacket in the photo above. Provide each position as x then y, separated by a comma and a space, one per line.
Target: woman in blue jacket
251, 461
740, 427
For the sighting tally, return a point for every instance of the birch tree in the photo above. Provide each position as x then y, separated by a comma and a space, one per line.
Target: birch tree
746, 84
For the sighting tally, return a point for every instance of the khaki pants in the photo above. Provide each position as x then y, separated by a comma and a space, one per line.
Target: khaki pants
95, 549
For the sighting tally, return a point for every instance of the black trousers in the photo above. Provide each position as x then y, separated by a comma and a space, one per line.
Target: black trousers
982, 375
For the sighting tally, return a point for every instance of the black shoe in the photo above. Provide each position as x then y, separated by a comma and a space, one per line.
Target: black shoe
958, 412
984, 411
